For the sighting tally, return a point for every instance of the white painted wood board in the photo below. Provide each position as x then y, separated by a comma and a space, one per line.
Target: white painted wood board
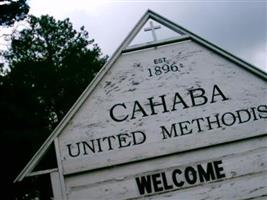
229, 90
244, 164
56, 185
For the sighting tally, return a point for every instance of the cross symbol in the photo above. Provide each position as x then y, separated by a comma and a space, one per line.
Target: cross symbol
152, 28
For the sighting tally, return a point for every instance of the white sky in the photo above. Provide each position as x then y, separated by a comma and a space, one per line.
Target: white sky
239, 27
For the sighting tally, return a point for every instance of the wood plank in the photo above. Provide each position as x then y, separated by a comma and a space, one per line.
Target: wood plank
242, 163
134, 115
42, 172
56, 185
245, 187
60, 171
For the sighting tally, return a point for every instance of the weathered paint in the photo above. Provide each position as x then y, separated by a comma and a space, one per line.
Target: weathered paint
244, 164
228, 88
132, 158
56, 185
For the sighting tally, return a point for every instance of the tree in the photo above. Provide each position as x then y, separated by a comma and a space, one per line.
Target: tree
12, 10
50, 64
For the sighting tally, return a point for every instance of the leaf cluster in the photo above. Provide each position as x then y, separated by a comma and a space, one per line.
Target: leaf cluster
12, 10
50, 61
50, 64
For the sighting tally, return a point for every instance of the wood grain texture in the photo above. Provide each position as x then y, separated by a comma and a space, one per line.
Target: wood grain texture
56, 185
128, 81
244, 164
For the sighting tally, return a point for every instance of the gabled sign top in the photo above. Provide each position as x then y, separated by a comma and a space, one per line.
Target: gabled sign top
150, 16
124, 47
152, 28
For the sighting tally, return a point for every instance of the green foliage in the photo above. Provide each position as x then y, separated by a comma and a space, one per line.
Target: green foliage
51, 61
50, 65
12, 10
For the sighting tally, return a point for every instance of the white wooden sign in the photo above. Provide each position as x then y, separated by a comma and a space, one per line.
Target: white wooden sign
163, 100
179, 119
234, 171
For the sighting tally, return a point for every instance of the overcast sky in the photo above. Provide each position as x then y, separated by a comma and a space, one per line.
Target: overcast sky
239, 27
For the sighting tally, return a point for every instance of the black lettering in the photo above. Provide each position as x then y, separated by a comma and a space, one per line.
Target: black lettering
218, 169
184, 127
198, 123
70, 150
157, 182
99, 145
138, 108
165, 182
112, 114
241, 117
190, 175
262, 109
254, 113
217, 92
171, 133
87, 146
206, 175
140, 140
232, 116
122, 138
144, 184
109, 141
198, 93
175, 173
153, 105
217, 121
177, 100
